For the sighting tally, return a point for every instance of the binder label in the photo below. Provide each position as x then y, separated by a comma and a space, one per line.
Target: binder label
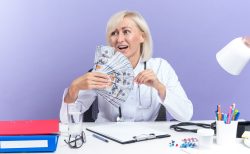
24, 144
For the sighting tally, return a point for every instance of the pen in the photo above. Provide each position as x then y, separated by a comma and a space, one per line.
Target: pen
229, 115
162, 136
100, 138
219, 112
233, 108
235, 113
225, 118
237, 116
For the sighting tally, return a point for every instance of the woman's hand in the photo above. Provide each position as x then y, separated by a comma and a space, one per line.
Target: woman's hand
91, 80
149, 78
247, 40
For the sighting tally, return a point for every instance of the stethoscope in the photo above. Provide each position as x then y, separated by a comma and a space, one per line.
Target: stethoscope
119, 118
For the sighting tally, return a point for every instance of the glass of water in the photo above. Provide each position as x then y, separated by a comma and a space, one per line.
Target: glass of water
75, 129
75, 118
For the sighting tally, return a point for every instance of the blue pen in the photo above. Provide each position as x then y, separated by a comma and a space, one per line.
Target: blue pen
100, 138
237, 116
225, 118
216, 113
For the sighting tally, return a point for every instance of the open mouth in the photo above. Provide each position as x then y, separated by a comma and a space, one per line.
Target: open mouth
122, 47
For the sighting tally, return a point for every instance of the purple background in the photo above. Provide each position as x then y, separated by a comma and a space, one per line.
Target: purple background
45, 44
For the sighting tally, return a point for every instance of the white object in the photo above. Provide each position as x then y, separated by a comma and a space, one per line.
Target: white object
247, 142
234, 56
24, 144
246, 136
226, 133
205, 138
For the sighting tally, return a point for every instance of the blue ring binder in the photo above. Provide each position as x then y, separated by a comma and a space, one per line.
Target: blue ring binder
7, 146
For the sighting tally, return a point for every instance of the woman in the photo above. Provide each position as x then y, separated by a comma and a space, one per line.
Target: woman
155, 80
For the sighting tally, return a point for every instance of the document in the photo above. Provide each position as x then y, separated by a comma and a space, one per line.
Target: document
28, 143
127, 132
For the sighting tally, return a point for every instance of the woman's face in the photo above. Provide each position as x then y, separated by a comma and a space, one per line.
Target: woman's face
126, 38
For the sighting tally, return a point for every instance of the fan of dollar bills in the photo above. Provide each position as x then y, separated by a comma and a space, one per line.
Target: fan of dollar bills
120, 70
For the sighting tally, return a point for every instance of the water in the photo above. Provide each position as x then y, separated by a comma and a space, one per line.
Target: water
75, 129
75, 123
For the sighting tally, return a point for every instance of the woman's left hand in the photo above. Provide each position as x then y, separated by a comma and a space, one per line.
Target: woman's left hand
149, 78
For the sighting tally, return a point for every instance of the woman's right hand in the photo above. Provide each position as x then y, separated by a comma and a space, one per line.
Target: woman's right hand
90, 80
247, 40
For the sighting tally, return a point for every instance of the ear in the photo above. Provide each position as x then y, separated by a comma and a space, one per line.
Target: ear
142, 37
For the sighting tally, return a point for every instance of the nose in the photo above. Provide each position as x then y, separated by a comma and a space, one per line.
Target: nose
121, 37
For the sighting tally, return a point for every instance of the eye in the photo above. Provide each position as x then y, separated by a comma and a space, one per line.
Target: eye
126, 31
114, 33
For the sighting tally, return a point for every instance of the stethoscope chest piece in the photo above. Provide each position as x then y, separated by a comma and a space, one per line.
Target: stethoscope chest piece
119, 118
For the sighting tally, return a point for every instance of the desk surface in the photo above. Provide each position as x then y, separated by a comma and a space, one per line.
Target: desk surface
157, 146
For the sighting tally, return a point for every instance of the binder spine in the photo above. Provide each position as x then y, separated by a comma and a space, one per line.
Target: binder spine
51, 143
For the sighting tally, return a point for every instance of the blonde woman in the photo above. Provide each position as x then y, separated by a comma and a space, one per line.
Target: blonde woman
156, 82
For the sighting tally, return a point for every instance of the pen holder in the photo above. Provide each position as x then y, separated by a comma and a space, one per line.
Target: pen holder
226, 133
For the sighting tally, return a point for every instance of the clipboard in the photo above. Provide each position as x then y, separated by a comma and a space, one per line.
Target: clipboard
125, 133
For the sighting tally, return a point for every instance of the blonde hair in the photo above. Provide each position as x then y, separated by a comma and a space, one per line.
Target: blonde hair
147, 45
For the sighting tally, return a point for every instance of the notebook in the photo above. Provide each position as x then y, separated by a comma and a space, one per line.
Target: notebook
29, 127
127, 132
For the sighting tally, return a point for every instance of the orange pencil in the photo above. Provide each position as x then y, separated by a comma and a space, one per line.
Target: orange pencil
219, 113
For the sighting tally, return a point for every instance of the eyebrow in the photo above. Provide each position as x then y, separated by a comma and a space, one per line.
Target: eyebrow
126, 27
122, 28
